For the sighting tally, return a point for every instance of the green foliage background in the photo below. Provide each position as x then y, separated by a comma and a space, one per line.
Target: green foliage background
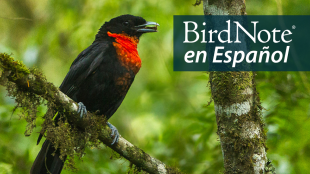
164, 112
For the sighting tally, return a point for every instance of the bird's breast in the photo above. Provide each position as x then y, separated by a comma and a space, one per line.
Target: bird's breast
126, 50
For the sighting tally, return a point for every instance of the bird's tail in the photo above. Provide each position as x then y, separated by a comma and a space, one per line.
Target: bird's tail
46, 163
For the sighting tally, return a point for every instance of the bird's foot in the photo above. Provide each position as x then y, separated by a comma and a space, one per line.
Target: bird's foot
82, 109
114, 133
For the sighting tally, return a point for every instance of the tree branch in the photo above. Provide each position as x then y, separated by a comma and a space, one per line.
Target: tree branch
25, 80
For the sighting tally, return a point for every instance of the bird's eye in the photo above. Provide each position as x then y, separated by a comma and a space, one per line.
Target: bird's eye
126, 23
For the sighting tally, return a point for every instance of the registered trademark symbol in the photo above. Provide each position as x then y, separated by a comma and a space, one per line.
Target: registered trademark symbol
293, 26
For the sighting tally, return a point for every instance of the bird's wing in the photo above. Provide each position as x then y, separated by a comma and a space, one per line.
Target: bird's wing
86, 63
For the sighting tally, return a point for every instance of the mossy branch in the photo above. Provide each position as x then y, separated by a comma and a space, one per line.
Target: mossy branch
32, 82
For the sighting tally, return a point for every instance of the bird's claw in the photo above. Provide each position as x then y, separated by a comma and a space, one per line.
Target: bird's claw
114, 133
82, 109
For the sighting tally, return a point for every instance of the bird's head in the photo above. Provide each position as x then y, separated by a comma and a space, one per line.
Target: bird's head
133, 26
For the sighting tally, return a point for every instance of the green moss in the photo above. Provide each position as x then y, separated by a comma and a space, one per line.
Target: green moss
72, 140
269, 168
173, 169
133, 169
8, 63
26, 101
136, 153
69, 139
227, 87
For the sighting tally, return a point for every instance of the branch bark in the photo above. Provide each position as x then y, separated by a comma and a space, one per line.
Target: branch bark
19, 74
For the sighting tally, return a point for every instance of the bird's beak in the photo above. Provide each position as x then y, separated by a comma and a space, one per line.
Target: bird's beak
147, 27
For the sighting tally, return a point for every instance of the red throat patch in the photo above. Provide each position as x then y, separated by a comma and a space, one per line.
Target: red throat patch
126, 49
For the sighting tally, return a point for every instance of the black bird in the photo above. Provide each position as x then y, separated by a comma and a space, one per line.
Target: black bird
100, 77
